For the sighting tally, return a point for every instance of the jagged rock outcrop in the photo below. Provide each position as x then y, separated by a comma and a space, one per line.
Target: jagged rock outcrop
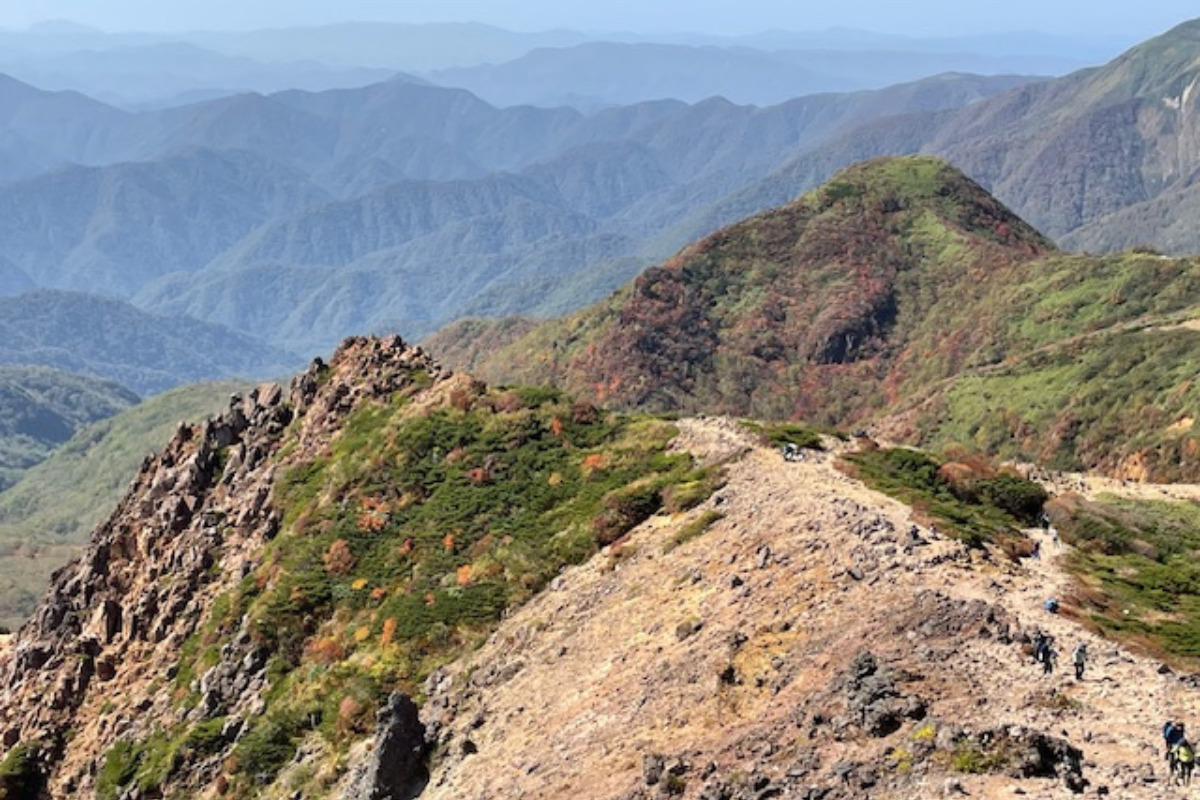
395, 769
192, 524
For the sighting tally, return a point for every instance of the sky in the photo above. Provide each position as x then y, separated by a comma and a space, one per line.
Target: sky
1133, 20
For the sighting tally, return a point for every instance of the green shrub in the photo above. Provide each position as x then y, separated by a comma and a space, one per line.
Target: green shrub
794, 434
976, 513
974, 760
269, 745
1020, 498
118, 770
624, 510
20, 776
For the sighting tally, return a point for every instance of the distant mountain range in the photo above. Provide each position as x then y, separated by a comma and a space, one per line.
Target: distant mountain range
1103, 159
599, 74
585, 70
107, 338
300, 217
40, 408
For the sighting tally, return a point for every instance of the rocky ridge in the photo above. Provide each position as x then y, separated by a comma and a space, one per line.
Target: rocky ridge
88, 668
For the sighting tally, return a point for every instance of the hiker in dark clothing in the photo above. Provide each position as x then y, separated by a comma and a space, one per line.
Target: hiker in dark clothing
1044, 654
1173, 733
1079, 659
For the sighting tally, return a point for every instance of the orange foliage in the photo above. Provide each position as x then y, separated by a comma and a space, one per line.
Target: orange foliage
351, 715
338, 558
593, 462
448, 542
389, 631
461, 399
463, 575
556, 427
430, 599
324, 651
379, 593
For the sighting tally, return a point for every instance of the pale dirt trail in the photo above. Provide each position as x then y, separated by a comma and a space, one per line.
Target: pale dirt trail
807, 568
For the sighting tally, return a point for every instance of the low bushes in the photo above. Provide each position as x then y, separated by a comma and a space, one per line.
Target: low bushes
967, 500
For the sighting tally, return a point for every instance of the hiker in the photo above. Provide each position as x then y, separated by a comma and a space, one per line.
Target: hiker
1079, 658
1173, 733
1055, 538
1051, 605
1182, 758
1044, 519
1039, 644
1045, 655
1037, 550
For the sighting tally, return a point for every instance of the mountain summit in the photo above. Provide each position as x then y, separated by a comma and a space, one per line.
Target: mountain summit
899, 292
797, 311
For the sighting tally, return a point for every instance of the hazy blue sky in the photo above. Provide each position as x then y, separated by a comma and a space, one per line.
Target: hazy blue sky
1134, 20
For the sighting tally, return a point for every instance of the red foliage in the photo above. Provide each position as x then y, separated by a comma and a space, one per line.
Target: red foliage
338, 558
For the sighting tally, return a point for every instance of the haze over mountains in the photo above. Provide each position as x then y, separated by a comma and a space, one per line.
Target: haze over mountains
299, 217
587, 69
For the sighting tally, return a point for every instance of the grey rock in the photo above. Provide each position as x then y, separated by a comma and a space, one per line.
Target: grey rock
396, 768
653, 767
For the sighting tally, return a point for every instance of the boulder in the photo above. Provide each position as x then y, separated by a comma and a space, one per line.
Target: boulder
395, 769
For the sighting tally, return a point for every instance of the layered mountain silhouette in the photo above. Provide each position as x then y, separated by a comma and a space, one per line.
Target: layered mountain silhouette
111, 339
300, 217
40, 408
1085, 158
599, 74
900, 290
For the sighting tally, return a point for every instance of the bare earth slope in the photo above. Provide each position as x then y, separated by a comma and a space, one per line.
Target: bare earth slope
736, 661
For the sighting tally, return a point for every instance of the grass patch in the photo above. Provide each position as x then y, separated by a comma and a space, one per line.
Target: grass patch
973, 504
20, 776
972, 759
694, 529
1138, 578
148, 764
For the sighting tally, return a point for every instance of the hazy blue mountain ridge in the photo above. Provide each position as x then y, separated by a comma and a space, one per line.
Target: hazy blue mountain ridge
40, 408
111, 339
